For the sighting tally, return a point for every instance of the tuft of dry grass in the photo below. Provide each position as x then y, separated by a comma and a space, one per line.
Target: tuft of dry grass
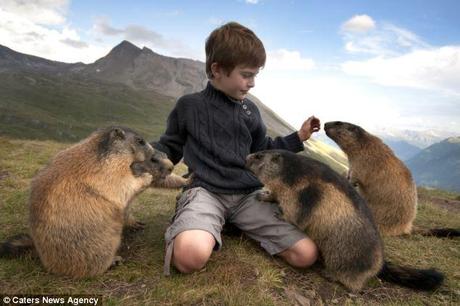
240, 274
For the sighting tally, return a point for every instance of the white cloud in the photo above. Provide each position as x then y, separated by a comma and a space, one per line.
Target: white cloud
285, 60
405, 38
61, 43
252, 1
433, 69
329, 98
333, 98
102, 26
384, 40
369, 45
295, 95
49, 12
40, 28
400, 58
359, 24
75, 43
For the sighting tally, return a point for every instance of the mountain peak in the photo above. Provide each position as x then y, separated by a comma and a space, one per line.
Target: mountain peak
125, 49
123, 53
126, 45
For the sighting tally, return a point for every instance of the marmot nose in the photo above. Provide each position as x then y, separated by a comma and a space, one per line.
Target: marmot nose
329, 125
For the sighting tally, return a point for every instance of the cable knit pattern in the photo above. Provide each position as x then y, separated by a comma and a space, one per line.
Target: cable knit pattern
214, 134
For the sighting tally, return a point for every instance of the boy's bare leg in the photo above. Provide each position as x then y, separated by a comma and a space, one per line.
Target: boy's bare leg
302, 254
192, 249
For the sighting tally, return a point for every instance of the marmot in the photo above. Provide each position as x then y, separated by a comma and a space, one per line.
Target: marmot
78, 203
381, 178
321, 202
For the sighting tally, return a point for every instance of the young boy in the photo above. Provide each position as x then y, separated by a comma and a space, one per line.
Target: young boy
214, 130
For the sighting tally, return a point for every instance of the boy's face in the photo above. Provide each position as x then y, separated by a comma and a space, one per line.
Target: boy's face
236, 84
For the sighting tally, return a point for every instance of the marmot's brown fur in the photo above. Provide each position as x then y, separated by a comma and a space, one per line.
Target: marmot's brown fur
78, 202
316, 199
381, 178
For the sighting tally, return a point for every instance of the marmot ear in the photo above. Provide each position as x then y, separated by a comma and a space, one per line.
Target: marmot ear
117, 133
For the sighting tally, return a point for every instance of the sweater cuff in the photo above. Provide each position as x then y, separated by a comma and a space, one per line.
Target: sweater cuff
294, 143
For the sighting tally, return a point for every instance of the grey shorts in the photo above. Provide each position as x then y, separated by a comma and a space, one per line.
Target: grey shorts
201, 209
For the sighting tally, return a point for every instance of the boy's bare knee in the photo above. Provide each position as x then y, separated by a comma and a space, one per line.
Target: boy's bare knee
302, 254
190, 262
192, 250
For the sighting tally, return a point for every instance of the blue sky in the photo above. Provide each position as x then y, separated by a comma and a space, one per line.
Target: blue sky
381, 64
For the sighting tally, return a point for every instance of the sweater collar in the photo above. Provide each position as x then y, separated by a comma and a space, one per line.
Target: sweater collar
216, 94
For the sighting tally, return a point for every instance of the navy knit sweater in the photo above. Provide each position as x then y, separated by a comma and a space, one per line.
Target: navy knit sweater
214, 134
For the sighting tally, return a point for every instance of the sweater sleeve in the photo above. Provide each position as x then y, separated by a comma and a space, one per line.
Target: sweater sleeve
173, 140
260, 140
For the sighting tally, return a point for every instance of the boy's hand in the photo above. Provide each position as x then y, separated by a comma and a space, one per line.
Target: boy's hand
310, 126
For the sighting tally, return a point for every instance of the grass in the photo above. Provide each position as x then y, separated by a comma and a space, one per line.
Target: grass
439, 193
46, 107
240, 274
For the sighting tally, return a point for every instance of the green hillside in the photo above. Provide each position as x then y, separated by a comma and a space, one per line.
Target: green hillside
37, 106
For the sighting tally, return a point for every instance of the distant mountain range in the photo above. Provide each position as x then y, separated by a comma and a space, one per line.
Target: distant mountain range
404, 143
45, 99
421, 139
438, 165
408, 143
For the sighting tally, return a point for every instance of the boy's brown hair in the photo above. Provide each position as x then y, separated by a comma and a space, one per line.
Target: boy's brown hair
233, 44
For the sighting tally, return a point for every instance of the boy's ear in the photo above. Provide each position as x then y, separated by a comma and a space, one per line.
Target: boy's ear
216, 70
